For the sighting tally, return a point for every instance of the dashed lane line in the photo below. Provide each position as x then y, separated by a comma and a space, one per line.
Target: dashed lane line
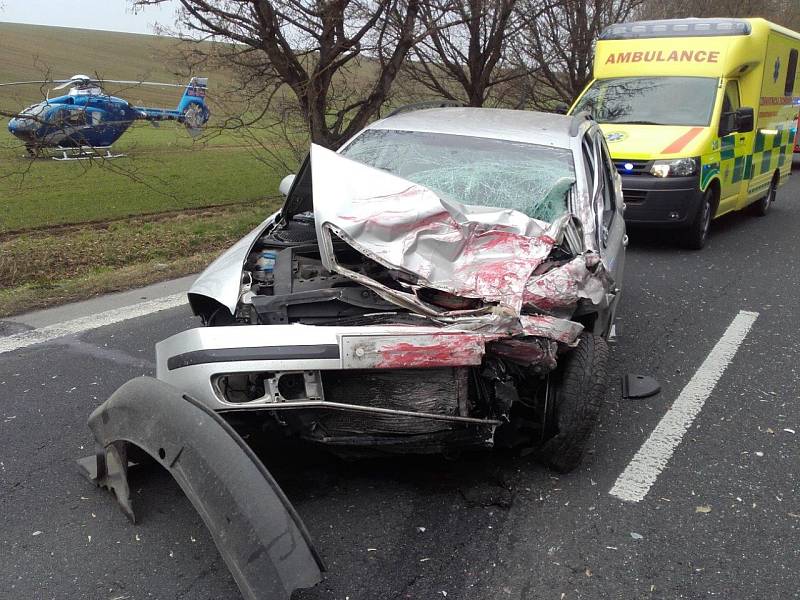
643, 470
24, 339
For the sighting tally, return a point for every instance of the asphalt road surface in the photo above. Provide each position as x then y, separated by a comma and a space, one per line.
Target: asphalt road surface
720, 520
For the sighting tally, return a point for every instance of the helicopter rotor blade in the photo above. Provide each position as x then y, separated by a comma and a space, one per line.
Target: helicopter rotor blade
131, 82
34, 82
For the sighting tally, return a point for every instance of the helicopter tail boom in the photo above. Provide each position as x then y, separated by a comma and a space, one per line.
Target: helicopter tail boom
191, 110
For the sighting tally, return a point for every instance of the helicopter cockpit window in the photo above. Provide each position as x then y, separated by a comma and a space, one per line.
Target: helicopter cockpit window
34, 110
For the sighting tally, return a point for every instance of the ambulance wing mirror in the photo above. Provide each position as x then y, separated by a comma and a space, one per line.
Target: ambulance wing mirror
744, 119
727, 123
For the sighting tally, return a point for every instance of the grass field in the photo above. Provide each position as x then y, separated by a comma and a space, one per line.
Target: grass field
67, 229
164, 170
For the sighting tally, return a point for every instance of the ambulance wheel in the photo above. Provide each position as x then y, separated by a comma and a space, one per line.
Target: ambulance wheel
580, 387
696, 235
761, 208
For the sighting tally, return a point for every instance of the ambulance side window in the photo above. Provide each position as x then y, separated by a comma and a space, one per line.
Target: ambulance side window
730, 102
791, 73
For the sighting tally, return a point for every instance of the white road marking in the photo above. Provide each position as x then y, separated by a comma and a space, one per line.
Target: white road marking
643, 470
81, 324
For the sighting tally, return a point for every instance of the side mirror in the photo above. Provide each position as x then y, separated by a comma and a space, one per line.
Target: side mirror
561, 108
727, 124
286, 184
744, 119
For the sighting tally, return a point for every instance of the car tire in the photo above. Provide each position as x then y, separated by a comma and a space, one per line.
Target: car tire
581, 383
761, 208
696, 235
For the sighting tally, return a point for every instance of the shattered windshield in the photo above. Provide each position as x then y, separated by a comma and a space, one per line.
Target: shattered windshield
651, 100
530, 178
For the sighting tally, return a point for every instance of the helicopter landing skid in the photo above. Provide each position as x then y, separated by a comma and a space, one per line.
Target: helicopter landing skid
83, 153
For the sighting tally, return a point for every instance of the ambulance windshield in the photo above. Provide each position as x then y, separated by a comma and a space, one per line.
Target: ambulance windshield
651, 100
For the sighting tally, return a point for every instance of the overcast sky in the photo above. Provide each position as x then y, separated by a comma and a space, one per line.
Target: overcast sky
111, 15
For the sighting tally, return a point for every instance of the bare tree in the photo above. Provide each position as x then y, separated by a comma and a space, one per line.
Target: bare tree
557, 44
465, 55
337, 58
783, 12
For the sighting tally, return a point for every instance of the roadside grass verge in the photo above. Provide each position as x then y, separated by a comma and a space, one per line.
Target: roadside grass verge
163, 171
44, 269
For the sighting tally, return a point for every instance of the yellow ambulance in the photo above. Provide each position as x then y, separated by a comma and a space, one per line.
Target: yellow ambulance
700, 116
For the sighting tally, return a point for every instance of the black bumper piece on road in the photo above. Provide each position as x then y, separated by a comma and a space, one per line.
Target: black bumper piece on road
661, 201
255, 528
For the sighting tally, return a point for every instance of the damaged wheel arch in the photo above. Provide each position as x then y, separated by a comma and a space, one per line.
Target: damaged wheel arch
256, 530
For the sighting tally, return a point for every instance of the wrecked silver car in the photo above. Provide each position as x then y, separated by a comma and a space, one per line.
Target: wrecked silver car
447, 280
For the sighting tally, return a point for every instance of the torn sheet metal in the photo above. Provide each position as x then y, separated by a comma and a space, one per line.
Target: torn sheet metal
475, 252
560, 330
526, 351
469, 251
580, 204
558, 290
497, 326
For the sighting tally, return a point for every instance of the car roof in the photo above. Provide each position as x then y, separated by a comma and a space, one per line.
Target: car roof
494, 123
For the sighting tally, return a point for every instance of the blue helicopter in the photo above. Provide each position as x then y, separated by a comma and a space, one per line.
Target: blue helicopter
88, 119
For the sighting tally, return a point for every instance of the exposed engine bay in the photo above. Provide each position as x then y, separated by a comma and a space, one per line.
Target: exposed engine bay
289, 283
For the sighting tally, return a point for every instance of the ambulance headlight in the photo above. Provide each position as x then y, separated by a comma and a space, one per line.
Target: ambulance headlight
677, 167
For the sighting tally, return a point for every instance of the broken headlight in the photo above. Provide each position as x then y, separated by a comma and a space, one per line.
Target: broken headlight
676, 167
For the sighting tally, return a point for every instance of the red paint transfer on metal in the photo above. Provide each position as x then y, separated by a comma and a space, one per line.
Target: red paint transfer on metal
436, 351
560, 330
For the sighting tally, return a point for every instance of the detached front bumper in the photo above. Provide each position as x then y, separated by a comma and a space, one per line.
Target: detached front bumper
661, 201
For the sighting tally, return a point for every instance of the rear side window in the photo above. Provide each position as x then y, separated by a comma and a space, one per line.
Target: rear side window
791, 73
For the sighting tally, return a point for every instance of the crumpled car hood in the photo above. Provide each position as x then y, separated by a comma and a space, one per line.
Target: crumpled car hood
499, 256
221, 280
468, 251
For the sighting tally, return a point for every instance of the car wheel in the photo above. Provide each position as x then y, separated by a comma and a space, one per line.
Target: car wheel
580, 387
696, 235
761, 208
